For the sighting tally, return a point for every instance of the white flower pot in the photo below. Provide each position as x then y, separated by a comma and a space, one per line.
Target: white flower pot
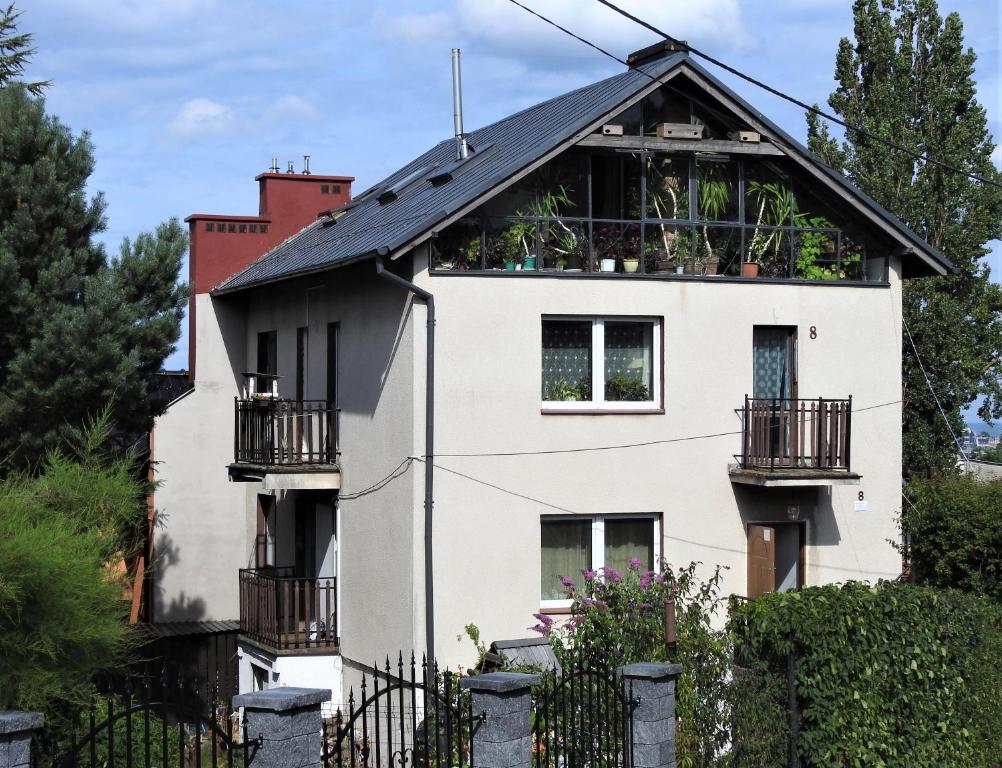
607, 265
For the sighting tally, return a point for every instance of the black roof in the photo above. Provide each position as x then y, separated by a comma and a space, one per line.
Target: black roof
414, 200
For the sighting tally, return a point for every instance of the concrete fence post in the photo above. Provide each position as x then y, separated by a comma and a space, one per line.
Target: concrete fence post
500, 705
652, 688
287, 720
16, 730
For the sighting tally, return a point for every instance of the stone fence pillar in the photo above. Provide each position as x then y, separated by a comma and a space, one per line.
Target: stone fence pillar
652, 687
16, 730
502, 731
288, 722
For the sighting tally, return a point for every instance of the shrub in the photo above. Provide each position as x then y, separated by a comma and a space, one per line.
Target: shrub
894, 675
956, 534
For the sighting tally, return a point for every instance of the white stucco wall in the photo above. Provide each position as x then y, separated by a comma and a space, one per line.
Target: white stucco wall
204, 526
487, 563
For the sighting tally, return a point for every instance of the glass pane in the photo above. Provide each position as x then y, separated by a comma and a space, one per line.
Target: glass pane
667, 248
628, 539
458, 246
629, 355
630, 119
771, 364
563, 245
767, 196
561, 187
566, 551
567, 360
717, 190
667, 187
511, 244
718, 250
615, 186
616, 247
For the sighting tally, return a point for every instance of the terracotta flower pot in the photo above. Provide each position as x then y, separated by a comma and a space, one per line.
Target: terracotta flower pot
749, 269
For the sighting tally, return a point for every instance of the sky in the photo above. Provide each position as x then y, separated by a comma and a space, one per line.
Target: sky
187, 100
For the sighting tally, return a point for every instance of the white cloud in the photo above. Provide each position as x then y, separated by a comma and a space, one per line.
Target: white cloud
292, 109
415, 27
199, 118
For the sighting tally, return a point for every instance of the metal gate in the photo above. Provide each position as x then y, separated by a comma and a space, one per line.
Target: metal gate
582, 718
415, 717
146, 727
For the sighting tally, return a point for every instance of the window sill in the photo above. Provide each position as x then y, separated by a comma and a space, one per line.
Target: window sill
602, 411
561, 611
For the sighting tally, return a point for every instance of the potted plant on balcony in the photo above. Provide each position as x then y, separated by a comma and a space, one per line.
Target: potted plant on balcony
623, 388
714, 190
814, 246
770, 204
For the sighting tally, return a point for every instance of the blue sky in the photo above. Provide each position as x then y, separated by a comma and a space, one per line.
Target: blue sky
187, 100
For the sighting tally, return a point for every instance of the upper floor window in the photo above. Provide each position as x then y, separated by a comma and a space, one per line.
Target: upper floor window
601, 363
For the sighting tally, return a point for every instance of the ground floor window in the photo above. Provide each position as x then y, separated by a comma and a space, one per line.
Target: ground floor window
572, 545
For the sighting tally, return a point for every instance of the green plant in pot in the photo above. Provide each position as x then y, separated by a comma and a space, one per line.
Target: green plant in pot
820, 246
665, 193
622, 388
770, 205
518, 238
714, 188
469, 254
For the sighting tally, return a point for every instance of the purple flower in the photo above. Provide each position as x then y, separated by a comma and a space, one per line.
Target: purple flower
589, 575
543, 619
634, 563
612, 575
541, 629
588, 601
567, 582
645, 581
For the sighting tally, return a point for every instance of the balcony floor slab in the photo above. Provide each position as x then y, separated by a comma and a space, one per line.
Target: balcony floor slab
788, 477
291, 477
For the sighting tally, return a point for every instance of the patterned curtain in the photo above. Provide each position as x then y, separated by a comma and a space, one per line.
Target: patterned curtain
771, 366
566, 355
566, 551
628, 351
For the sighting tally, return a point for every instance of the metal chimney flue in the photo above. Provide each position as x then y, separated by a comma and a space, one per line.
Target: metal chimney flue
306, 165
462, 150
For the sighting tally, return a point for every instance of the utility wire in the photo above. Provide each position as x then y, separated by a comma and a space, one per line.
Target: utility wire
753, 81
928, 383
402, 467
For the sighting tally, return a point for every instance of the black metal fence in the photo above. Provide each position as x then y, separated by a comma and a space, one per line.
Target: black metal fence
408, 714
582, 718
269, 431
146, 722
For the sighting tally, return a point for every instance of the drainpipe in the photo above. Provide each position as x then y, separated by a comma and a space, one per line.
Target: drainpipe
429, 447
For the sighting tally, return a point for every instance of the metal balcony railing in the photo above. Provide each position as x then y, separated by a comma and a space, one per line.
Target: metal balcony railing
271, 431
287, 612
796, 434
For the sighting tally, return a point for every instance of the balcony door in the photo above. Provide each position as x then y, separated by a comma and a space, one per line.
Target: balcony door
775, 557
315, 557
774, 388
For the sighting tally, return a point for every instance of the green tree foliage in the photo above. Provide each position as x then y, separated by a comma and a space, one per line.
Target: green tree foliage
955, 529
61, 607
77, 330
892, 675
907, 78
15, 51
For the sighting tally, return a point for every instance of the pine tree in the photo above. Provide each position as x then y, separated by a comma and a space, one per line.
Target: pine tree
907, 78
15, 50
77, 330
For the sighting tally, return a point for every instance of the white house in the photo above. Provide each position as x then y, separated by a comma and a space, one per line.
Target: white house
730, 392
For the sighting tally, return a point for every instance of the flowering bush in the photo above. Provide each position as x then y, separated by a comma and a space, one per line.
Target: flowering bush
619, 618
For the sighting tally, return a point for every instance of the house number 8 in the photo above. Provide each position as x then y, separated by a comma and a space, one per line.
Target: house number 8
814, 331
860, 495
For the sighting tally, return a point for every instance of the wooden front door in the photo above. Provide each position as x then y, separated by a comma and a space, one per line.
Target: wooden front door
761, 560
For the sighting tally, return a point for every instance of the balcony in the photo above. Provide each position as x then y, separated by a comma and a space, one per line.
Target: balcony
288, 444
286, 613
789, 442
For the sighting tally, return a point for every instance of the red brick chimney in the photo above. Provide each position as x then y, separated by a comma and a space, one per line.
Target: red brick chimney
223, 245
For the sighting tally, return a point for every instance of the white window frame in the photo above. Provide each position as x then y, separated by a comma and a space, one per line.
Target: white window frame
598, 401
598, 546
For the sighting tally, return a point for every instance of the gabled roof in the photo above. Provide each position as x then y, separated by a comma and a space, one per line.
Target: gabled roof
411, 203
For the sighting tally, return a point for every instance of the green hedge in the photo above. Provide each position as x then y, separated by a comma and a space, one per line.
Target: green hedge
892, 675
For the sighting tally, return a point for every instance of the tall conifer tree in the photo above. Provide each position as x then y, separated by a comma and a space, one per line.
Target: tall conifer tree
908, 78
77, 330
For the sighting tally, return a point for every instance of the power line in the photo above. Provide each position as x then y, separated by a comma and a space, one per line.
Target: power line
753, 81
776, 92
928, 383
380, 484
